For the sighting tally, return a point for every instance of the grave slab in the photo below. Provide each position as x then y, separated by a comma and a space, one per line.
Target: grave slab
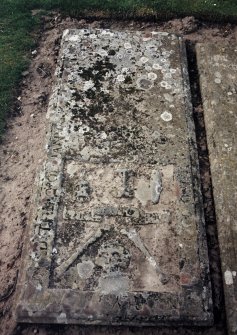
218, 76
117, 235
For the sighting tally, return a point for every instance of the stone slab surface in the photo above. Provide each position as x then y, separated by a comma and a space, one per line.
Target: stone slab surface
218, 74
117, 236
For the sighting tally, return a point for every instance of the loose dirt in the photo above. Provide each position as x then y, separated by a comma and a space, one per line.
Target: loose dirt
22, 152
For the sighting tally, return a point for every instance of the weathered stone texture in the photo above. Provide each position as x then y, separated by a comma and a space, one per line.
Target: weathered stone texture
118, 233
218, 74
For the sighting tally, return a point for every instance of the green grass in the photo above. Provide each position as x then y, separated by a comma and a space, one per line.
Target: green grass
17, 25
218, 10
15, 42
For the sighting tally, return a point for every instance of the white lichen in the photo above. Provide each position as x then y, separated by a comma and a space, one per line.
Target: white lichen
102, 53
88, 84
119, 56
168, 97
74, 38
33, 255
83, 129
217, 80
65, 33
166, 116
39, 287
217, 74
85, 269
107, 33
168, 76
145, 39
125, 70
228, 277
103, 135
127, 45
165, 84
144, 60
148, 68
152, 76
120, 78
62, 318
157, 66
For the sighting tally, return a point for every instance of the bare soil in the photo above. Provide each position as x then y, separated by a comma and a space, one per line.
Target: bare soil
22, 152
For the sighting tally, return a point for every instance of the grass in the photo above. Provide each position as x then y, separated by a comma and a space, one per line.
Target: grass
15, 42
17, 25
217, 10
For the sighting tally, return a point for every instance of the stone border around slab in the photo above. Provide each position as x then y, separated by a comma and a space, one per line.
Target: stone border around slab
217, 69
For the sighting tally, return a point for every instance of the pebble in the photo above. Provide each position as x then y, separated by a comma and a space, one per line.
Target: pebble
25, 73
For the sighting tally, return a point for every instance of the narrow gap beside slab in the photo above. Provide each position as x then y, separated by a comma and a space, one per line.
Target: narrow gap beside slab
206, 186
